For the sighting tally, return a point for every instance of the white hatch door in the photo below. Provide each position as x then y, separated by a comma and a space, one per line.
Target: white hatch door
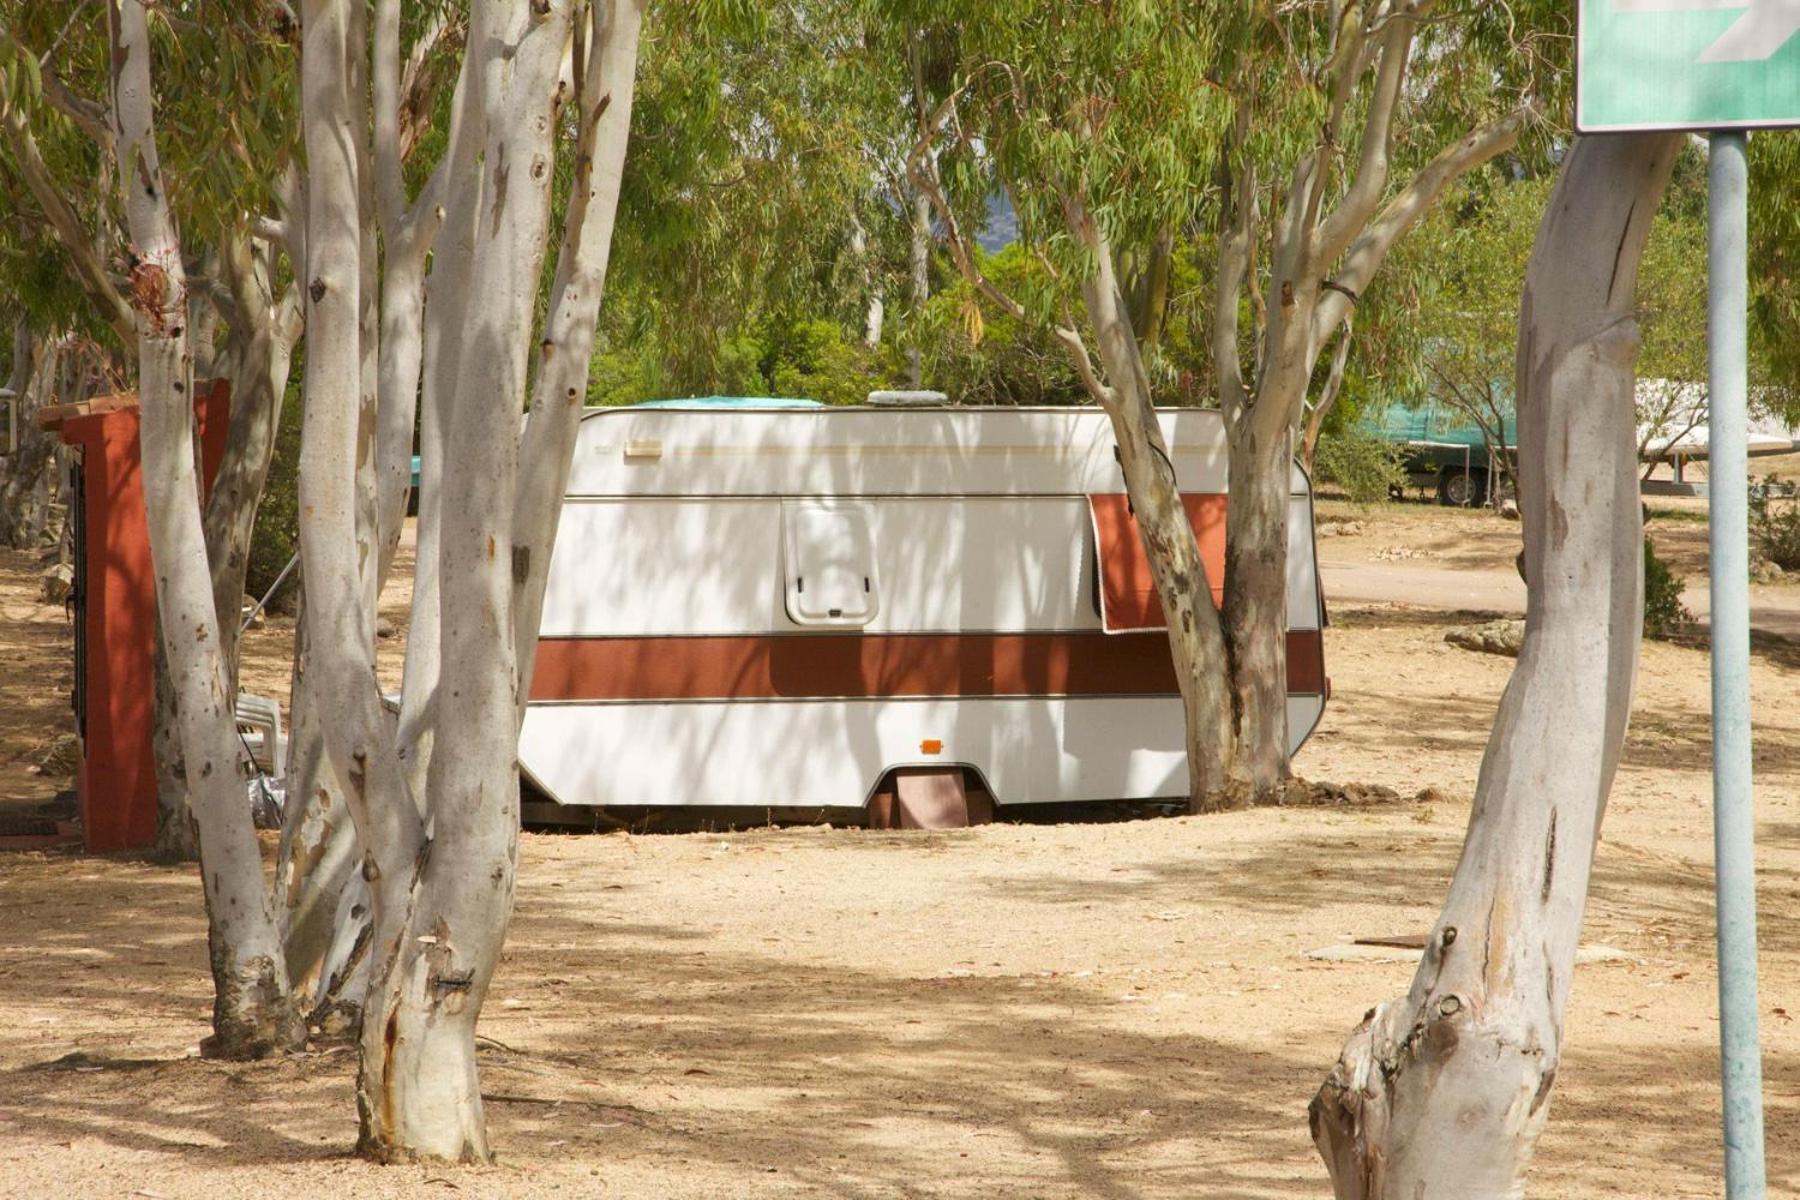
830, 563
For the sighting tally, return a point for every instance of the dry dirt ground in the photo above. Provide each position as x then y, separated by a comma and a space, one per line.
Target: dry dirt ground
1122, 1011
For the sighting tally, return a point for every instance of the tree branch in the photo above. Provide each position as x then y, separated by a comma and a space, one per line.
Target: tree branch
1371, 247
419, 76
923, 173
89, 116
1237, 219
1359, 203
90, 267
1334, 385
384, 78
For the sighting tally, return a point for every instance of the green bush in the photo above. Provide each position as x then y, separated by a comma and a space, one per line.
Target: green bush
1365, 468
1664, 614
1775, 525
814, 360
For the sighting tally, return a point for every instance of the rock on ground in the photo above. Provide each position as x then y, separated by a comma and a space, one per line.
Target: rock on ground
1495, 637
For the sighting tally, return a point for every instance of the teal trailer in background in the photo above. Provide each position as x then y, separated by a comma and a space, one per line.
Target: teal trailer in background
1445, 450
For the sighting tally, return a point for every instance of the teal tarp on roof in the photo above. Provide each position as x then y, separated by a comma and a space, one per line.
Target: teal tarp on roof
1436, 423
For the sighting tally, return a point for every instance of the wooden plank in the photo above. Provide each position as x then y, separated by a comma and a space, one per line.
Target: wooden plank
51, 416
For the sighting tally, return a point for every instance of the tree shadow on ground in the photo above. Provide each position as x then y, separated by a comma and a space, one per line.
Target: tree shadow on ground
636, 1038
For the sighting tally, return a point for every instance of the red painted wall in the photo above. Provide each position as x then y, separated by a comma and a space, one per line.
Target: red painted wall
116, 782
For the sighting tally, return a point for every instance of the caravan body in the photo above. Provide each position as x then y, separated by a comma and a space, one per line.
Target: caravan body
777, 606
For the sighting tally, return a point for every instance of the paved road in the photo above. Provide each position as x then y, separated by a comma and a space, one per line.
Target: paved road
1773, 609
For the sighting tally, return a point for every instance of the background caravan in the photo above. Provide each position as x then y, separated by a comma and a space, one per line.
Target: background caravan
779, 605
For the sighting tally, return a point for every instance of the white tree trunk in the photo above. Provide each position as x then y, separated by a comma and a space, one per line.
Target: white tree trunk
261, 349
1443, 1092
921, 282
319, 852
177, 837
440, 903
402, 318
425, 1006
328, 927
253, 1013
338, 542
874, 307
447, 300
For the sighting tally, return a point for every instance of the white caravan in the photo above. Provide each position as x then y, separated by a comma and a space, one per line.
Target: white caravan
777, 605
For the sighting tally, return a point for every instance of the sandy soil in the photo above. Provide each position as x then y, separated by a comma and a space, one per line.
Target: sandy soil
1122, 1011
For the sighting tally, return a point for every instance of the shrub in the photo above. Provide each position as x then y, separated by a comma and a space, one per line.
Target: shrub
1365, 467
814, 360
1775, 525
1664, 614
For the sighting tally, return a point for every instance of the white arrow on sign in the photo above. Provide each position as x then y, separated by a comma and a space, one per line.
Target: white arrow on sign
1759, 33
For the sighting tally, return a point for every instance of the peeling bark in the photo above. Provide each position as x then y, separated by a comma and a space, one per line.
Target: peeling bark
1254, 611
1443, 1092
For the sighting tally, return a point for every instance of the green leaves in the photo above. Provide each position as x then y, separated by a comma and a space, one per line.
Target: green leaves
1775, 263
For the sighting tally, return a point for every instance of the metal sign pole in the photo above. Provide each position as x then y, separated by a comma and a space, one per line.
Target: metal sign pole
1734, 815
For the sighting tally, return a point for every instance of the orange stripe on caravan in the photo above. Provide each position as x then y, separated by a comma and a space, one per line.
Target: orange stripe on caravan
855, 665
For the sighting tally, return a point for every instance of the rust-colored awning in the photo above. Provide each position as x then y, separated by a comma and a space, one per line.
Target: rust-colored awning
1128, 600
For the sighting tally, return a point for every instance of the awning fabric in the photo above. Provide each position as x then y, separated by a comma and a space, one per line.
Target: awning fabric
1128, 600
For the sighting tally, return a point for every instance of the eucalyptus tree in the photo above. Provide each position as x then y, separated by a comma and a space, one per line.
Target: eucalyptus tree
1443, 1092
93, 103
1303, 141
434, 796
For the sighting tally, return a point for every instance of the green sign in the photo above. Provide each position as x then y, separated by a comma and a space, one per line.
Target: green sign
1687, 64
